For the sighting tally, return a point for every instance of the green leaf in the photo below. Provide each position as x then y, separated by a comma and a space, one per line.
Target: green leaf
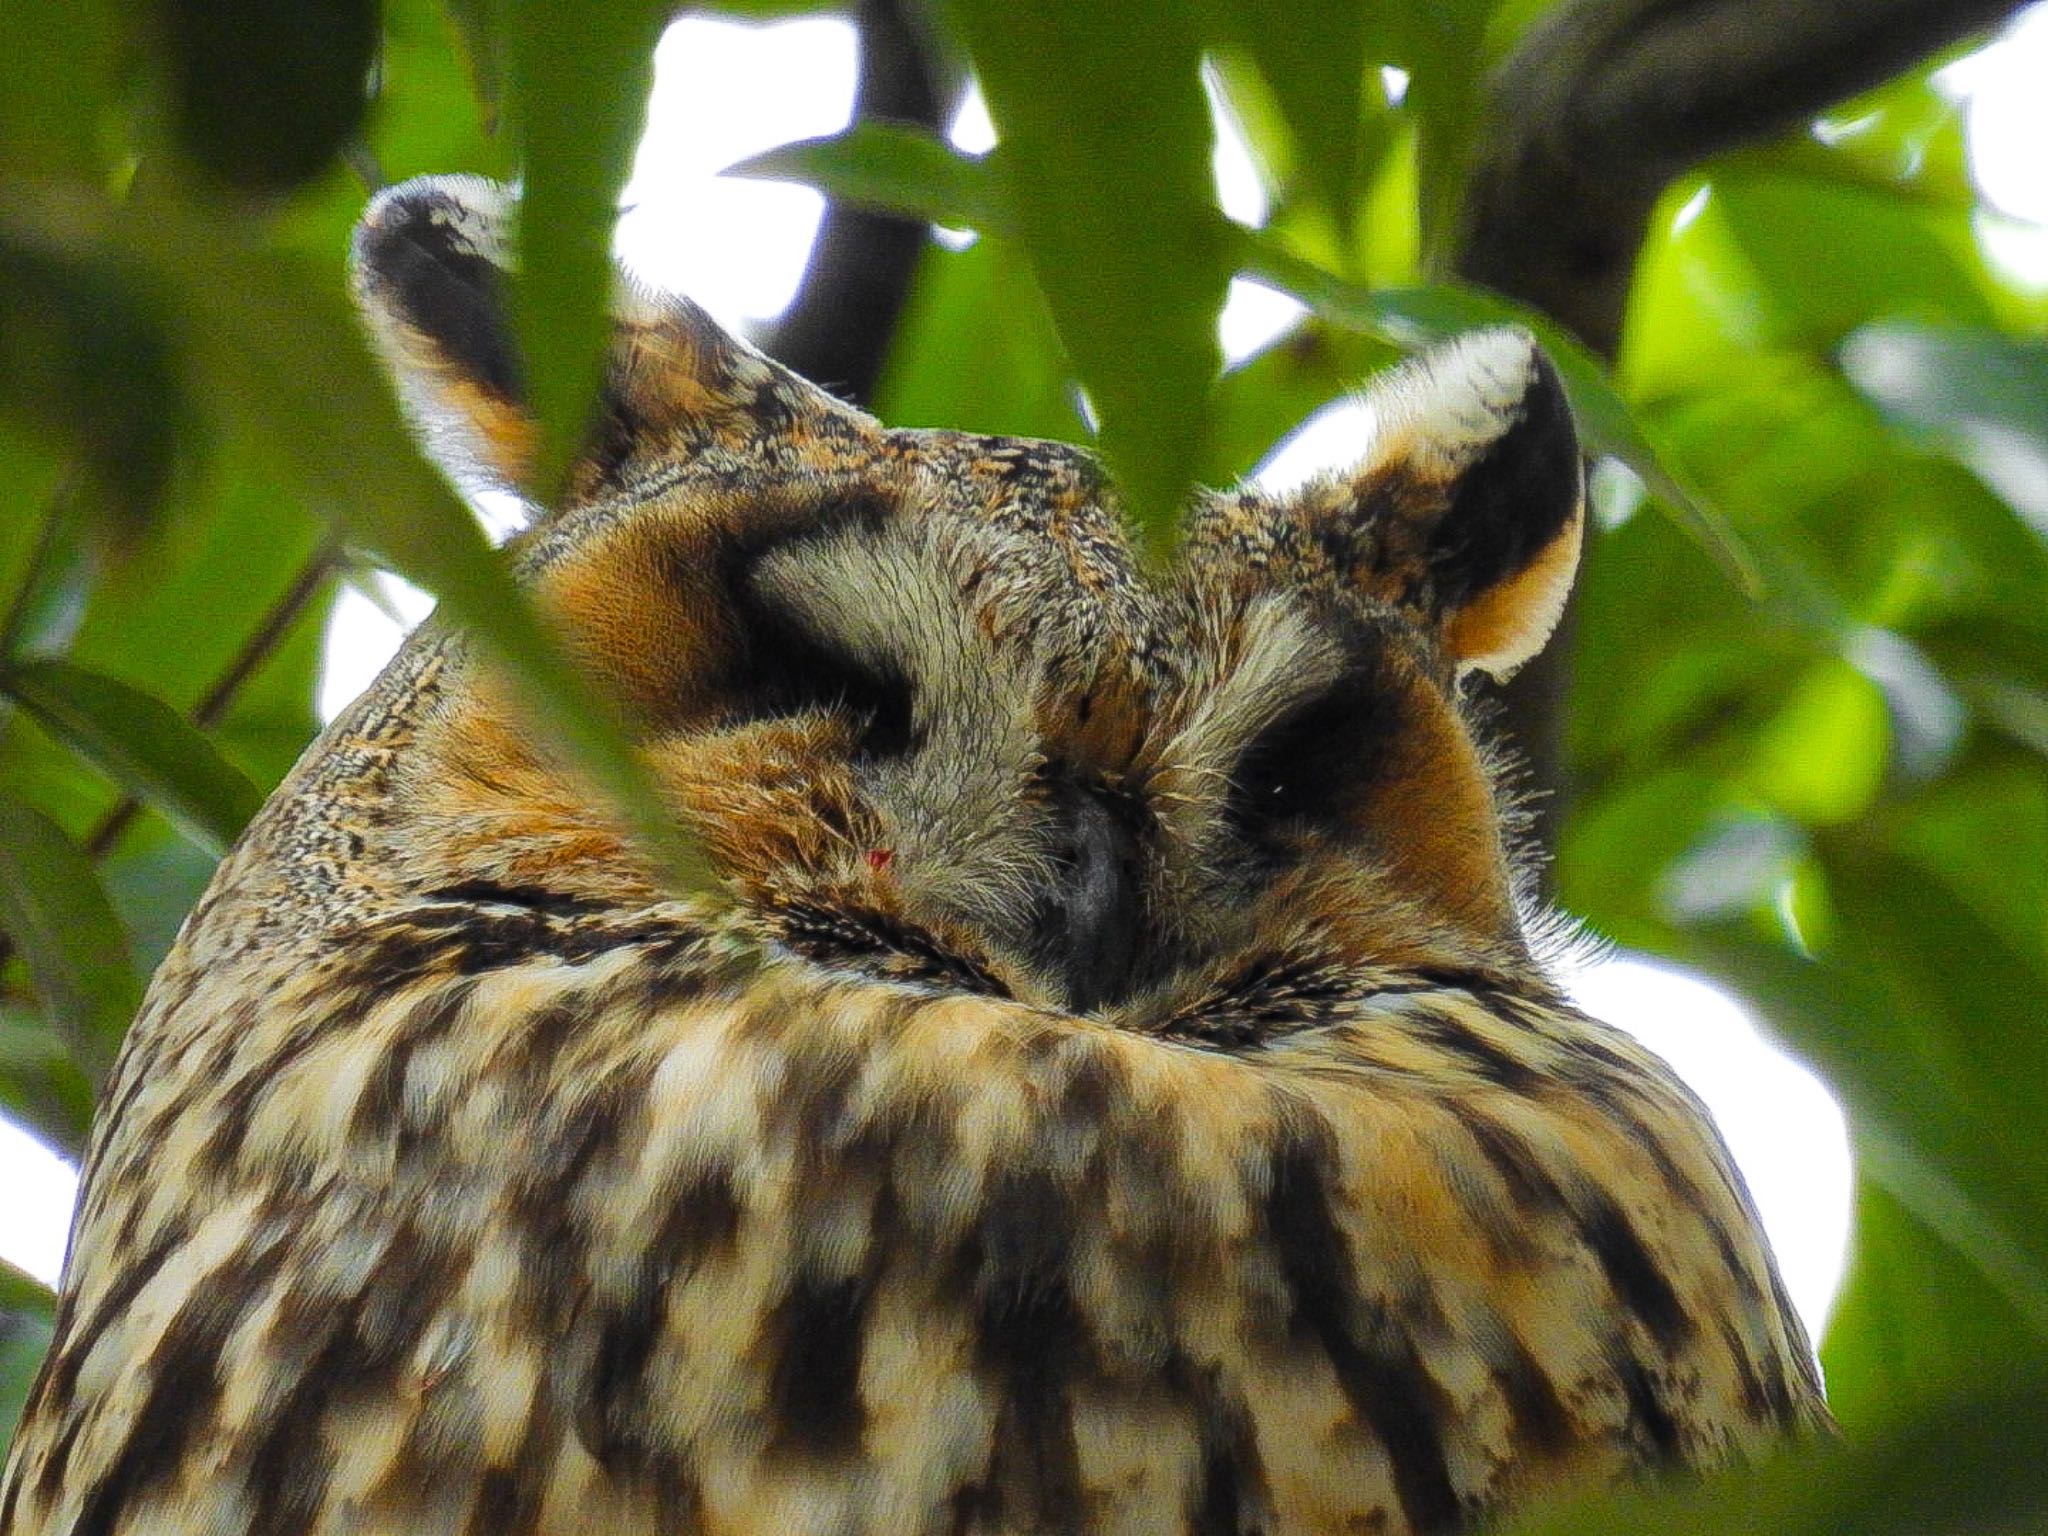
1915, 1322
1106, 144
41, 1088
53, 909
892, 168
279, 348
1965, 1468
1413, 318
1312, 56
975, 349
59, 71
27, 1320
1974, 394
142, 744
581, 75
479, 26
268, 91
1935, 1129
84, 357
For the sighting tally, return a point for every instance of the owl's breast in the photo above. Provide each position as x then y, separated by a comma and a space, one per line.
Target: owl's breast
634, 1235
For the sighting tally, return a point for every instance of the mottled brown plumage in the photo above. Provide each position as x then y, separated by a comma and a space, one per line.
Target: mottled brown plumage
1111, 1090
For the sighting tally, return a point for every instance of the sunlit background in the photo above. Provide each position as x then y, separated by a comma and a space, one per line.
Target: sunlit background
724, 91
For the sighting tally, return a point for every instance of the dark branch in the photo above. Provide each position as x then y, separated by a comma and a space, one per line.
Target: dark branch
1601, 107
838, 331
1606, 102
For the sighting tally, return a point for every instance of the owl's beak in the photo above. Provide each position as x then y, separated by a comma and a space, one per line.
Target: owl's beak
1086, 930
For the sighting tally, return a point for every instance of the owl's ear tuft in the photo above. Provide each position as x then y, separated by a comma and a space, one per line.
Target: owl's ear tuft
1471, 494
431, 264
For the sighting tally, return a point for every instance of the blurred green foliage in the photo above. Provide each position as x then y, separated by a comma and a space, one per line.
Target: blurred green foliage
1809, 715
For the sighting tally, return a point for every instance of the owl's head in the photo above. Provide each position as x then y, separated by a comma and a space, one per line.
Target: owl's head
932, 719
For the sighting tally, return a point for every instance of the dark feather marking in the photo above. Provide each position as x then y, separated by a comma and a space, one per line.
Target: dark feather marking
703, 1218
346, 1345
1528, 1182
1375, 1361
1031, 1338
184, 1386
1647, 1411
547, 1199
1638, 1284
1229, 1496
508, 1499
1542, 1426
380, 1110
815, 1336
1489, 1060
1606, 1090
73, 1340
237, 1102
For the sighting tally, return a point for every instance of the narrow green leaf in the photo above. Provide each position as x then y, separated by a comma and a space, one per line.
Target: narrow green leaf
892, 168
1312, 56
1414, 317
53, 909
581, 74
141, 743
279, 348
480, 27
1919, 1137
1106, 146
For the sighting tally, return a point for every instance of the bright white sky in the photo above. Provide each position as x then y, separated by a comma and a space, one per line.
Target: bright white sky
724, 91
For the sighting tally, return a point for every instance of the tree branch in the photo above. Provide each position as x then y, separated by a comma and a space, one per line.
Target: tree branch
1601, 107
1606, 102
839, 329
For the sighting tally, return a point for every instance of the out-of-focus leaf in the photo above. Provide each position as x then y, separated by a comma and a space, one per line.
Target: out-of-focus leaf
581, 75
1824, 258
429, 120
59, 73
1439, 44
53, 908
1259, 403
1312, 56
1915, 1321
83, 356
41, 1088
1106, 145
27, 1313
1413, 318
268, 91
1822, 758
976, 350
1943, 1117
1977, 1466
1975, 394
141, 743
895, 169
281, 352
48, 599
480, 26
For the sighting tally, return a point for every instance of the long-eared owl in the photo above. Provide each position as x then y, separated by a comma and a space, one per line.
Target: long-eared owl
1107, 1087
